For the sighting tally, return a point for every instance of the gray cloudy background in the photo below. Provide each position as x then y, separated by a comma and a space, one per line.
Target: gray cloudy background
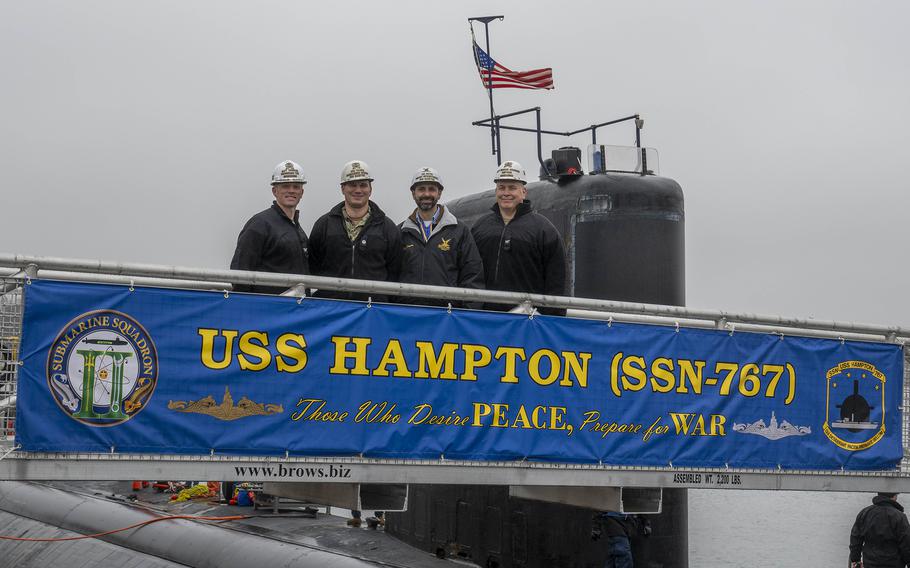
146, 132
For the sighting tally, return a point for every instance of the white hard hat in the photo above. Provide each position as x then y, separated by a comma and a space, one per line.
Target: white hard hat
288, 172
511, 171
426, 175
355, 171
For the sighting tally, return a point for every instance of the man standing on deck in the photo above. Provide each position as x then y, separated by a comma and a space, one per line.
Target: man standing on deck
880, 537
355, 239
521, 250
438, 250
273, 240
619, 530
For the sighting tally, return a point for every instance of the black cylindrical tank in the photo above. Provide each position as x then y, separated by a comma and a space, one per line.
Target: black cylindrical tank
624, 233
625, 241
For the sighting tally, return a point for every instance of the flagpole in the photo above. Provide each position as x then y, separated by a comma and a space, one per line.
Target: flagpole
486, 28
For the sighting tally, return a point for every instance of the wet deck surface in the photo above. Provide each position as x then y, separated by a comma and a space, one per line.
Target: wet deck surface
291, 525
89, 553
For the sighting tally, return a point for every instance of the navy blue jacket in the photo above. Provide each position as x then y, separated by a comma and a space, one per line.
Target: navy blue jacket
448, 258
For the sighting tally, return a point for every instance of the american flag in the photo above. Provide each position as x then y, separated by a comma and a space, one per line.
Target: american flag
496, 76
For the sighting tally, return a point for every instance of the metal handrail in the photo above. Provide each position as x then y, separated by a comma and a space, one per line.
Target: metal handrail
661, 314
494, 122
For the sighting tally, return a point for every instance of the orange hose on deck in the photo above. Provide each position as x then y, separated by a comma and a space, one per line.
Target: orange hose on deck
148, 522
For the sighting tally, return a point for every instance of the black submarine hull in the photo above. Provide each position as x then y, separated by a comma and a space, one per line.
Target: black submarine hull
625, 241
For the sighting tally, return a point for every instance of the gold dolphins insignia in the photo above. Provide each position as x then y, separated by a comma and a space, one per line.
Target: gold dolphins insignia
135, 402
226, 410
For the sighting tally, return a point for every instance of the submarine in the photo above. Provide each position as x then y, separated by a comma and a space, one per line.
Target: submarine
623, 228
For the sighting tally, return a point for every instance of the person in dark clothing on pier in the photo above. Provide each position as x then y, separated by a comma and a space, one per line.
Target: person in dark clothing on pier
880, 537
618, 529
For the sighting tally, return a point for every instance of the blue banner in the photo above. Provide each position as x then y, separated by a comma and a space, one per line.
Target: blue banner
107, 368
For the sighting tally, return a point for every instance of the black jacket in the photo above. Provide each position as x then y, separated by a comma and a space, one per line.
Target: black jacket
527, 255
374, 255
448, 258
609, 524
271, 242
881, 534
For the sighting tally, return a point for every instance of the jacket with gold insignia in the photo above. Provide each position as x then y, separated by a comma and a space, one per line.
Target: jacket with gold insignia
448, 257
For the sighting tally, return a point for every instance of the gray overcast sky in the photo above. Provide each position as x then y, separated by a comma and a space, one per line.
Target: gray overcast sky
146, 132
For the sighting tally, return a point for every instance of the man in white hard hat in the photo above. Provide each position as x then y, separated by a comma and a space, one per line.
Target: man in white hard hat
521, 250
273, 240
355, 239
438, 250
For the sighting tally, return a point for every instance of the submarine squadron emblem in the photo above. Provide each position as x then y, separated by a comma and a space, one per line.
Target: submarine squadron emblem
102, 368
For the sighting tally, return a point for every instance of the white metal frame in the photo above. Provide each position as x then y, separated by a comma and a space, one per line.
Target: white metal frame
16, 271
